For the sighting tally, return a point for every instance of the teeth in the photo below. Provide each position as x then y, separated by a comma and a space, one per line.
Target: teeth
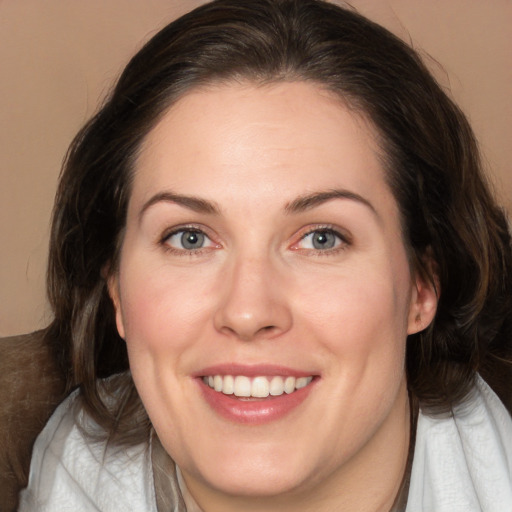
242, 386
228, 386
301, 382
289, 385
276, 386
217, 383
258, 387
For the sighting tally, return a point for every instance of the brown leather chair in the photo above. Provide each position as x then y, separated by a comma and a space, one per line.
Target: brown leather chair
31, 386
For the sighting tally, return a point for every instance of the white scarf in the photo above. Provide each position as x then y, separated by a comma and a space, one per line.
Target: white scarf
463, 462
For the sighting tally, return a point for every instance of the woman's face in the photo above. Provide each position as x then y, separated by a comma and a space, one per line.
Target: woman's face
263, 253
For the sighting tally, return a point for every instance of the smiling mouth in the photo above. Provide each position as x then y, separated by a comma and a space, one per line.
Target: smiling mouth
242, 386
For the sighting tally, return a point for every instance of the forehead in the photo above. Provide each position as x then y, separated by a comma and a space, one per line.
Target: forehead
279, 139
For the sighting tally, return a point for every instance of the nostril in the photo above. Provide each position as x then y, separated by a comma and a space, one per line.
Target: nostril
269, 329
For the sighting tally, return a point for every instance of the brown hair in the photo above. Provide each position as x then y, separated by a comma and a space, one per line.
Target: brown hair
448, 214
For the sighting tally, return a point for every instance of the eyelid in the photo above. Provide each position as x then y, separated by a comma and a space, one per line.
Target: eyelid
171, 230
168, 233
343, 235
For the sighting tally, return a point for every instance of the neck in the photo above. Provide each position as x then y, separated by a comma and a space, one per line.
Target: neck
369, 482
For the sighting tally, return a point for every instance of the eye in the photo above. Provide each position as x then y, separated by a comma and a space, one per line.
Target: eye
321, 240
188, 240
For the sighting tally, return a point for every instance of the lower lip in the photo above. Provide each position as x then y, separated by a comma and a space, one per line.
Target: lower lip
254, 411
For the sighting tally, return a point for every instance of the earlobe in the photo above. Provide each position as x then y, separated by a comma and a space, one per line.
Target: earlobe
423, 305
113, 291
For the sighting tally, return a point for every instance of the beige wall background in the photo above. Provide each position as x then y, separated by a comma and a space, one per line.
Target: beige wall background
58, 59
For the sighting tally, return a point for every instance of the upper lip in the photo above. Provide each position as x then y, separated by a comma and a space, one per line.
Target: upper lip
252, 370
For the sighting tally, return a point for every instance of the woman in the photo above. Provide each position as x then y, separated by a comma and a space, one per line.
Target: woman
276, 270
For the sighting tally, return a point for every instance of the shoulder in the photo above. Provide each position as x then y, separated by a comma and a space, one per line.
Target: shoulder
31, 386
71, 471
463, 461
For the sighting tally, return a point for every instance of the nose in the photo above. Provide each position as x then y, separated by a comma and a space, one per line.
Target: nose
252, 301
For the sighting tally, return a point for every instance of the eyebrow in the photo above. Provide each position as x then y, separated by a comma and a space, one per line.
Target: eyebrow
309, 201
298, 205
195, 204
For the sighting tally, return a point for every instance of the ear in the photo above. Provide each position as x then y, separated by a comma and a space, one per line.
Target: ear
424, 299
115, 296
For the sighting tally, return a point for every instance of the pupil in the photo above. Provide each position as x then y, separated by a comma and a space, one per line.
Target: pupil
323, 240
192, 240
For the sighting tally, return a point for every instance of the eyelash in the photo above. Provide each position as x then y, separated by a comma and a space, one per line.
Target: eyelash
344, 241
164, 241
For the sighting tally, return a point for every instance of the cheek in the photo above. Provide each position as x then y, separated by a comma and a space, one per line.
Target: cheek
360, 316
162, 309
164, 316
358, 321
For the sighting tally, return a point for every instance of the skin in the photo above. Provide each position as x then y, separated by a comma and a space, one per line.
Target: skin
259, 292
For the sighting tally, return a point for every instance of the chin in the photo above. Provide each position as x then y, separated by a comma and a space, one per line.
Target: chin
248, 468
255, 480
